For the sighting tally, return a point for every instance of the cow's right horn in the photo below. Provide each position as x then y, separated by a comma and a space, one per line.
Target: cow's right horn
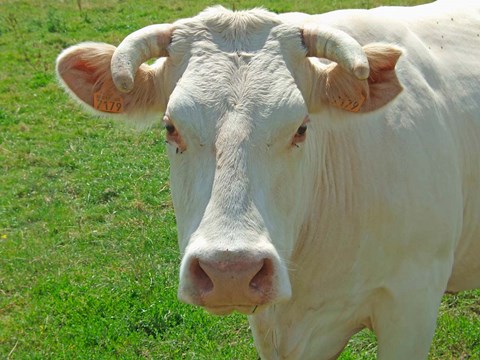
338, 46
146, 43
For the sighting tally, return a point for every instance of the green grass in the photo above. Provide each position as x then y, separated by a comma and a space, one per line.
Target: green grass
88, 252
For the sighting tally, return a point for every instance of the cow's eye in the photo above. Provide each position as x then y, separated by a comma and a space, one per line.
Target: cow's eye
302, 130
170, 128
173, 136
301, 133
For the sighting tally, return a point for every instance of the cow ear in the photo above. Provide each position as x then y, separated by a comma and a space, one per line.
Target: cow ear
383, 84
342, 90
84, 71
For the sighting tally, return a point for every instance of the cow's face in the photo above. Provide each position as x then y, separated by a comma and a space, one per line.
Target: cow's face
236, 130
235, 89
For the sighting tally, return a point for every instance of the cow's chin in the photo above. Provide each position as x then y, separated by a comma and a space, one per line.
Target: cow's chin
228, 309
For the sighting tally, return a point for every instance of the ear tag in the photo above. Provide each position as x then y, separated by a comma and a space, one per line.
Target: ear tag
349, 105
107, 102
355, 106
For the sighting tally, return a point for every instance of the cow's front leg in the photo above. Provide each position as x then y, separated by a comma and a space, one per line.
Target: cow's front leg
405, 323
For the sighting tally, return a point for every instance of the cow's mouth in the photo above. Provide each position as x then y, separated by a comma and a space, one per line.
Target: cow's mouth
228, 309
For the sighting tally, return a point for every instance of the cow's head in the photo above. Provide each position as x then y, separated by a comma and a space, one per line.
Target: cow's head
236, 90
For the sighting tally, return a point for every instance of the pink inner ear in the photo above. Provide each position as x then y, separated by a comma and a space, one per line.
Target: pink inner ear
383, 82
382, 59
385, 64
87, 71
81, 68
81, 80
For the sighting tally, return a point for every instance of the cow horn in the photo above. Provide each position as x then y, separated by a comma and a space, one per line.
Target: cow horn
337, 46
136, 48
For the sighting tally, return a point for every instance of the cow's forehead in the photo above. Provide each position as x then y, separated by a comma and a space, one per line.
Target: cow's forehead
241, 73
204, 102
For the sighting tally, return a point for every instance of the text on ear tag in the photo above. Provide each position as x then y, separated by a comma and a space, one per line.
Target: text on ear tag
106, 103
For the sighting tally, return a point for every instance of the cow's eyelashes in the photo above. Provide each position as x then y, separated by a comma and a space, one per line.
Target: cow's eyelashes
168, 125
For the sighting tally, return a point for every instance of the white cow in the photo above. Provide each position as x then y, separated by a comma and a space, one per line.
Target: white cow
325, 169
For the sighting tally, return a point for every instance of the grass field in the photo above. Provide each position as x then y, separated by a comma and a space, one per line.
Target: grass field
88, 253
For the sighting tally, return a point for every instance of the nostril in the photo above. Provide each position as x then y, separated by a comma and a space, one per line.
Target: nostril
200, 277
264, 277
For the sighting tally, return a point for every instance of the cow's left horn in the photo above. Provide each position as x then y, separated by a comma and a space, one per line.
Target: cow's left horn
136, 48
338, 46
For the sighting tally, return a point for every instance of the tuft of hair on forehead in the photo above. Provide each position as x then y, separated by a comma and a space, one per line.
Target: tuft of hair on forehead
239, 23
